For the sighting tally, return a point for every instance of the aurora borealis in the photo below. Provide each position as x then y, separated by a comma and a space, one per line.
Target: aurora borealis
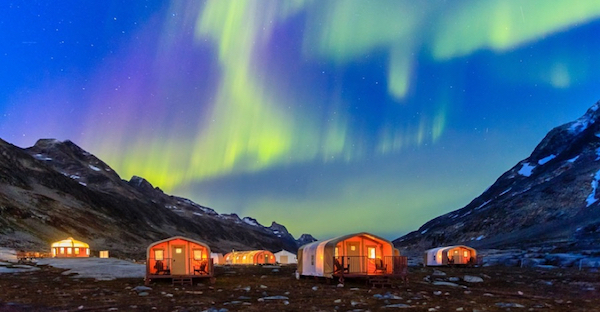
326, 116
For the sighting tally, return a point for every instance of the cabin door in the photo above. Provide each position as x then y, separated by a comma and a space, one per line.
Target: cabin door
178, 260
354, 259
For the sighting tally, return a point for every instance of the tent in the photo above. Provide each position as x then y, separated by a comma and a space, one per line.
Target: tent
250, 257
357, 254
285, 257
217, 258
70, 248
448, 255
178, 257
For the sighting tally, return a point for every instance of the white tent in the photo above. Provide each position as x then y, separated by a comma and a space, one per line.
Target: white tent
447, 255
217, 258
285, 257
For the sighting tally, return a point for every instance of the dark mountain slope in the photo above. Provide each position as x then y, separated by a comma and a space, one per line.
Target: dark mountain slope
548, 199
56, 189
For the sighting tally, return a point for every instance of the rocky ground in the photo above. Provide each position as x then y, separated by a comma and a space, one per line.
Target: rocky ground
255, 288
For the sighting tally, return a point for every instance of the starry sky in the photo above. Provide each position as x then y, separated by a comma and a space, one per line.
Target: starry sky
329, 117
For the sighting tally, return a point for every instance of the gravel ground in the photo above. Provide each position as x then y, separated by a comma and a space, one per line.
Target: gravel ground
255, 288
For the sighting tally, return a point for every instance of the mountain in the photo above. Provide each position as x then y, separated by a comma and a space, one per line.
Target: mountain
55, 189
548, 200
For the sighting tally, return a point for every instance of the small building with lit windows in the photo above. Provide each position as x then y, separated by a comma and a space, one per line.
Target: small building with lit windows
250, 257
450, 255
178, 258
352, 255
70, 248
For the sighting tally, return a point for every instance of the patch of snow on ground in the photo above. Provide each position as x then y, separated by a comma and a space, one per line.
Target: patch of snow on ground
526, 169
480, 237
592, 197
94, 168
84, 184
546, 159
8, 254
17, 268
74, 177
98, 268
424, 231
572, 160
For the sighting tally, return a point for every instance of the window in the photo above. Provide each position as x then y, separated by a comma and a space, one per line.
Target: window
371, 252
178, 250
197, 254
87, 251
456, 252
69, 251
76, 250
337, 252
353, 248
62, 250
465, 254
159, 254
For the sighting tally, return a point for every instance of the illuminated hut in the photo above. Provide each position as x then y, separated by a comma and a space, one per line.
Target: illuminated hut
285, 257
178, 258
353, 255
250, 257
70, 248
450, 255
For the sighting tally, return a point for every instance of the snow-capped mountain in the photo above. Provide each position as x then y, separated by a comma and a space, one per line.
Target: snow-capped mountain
55, 189
549, 199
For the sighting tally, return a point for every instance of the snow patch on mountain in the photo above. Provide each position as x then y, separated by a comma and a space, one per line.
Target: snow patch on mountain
546, 159
94, 168
572, 160
42, 157
526, 170
584, 121
592, 197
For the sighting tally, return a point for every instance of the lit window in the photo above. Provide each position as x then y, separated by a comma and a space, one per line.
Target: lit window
371, 252
337, 252
76, 250
456, 252
87, 251
178, 250
353, 248
62, 250
159, 254
466, 254
197, 254
69, 251
244, 258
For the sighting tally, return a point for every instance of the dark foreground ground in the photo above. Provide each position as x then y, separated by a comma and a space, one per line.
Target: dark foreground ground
255, 288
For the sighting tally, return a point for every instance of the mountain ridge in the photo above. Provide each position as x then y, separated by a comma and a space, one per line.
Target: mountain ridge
546, 200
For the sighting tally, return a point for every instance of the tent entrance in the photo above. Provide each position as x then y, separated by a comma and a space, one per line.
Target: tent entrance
178, 260
353, 252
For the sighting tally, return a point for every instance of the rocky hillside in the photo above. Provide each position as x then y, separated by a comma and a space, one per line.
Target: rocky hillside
56, 189
549, 199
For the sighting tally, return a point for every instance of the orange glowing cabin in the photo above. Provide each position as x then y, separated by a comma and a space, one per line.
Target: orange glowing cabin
178, 258
250, 257
70, 248
352, 255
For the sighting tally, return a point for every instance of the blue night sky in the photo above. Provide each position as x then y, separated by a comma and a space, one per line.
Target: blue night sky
329, 117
